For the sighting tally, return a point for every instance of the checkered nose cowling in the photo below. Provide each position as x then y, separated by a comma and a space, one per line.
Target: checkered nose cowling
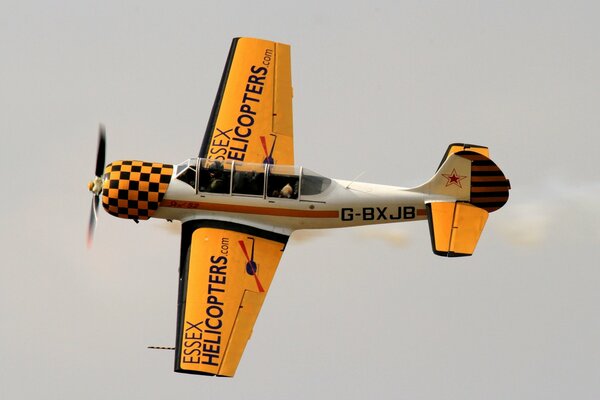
134, 189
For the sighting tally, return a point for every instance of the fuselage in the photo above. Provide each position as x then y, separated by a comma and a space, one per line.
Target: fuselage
274, 197
277, 198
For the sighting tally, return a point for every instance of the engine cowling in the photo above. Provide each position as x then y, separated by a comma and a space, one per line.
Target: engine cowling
134, 189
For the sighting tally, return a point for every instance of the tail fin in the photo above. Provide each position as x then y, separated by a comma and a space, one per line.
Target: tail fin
466, 187
456, 147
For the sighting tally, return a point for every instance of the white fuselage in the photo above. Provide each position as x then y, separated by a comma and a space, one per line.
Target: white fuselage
340, 204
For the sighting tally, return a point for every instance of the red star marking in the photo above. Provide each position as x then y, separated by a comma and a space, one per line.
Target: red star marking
454, 178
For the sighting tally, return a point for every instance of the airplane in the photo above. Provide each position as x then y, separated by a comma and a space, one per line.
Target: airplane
242, 197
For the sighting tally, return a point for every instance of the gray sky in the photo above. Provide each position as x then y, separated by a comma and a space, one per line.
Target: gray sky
381, 87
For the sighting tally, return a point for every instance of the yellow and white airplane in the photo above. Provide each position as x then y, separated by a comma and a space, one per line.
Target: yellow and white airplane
242, 197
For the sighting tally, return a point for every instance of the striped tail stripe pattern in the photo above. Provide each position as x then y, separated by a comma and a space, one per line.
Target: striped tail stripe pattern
489, 186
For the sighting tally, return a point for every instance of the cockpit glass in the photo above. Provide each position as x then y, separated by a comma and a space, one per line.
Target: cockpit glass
215, 176
180, 167
186, 172
283, 182
313, 183
249, 179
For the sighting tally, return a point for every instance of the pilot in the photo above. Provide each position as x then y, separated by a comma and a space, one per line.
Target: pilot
216, 165
216, 184
218, 178
286, 191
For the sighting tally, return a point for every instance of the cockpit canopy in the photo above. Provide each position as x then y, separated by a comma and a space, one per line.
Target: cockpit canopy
249, 179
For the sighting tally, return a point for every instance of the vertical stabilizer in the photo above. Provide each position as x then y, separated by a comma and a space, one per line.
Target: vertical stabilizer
468, 176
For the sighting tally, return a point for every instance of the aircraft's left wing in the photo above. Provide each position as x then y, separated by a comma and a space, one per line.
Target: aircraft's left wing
251, 119
225, 272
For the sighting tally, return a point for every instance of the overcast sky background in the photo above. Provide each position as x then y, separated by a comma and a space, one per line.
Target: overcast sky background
381, 87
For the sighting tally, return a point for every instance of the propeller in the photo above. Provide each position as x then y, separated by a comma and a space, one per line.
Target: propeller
95, 186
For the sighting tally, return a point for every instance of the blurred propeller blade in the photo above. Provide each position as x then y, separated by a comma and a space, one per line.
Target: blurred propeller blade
101, 151
93, 219
95, 186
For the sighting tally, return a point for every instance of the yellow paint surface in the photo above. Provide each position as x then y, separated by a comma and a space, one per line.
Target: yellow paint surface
224, 294
254, 119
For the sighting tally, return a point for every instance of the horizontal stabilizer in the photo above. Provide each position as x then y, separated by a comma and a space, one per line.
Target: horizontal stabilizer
455, 227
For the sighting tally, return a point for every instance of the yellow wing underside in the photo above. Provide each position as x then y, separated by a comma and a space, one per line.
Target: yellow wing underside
251, 119
226, 269
224, 277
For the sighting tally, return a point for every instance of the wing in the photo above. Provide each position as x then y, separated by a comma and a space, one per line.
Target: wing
251, 119
225, 272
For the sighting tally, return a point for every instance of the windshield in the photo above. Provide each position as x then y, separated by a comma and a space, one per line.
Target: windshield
186, 172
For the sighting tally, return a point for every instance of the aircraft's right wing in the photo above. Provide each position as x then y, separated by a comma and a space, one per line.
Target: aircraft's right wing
251, 119
225, 272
